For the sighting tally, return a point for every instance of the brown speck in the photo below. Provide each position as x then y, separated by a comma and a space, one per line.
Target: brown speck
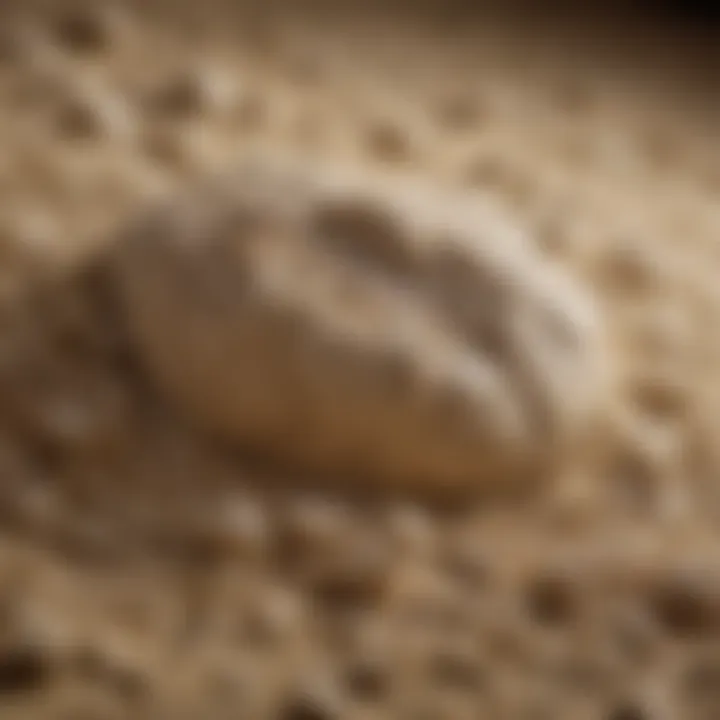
23, 668
307, 706
181, 96
552, 600
685, 604
628, 711
349, 583
78, 120
661, 398
368, 681
363, 233
83, 30
388, 142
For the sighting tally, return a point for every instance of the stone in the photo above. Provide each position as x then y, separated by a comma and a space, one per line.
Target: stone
374, 331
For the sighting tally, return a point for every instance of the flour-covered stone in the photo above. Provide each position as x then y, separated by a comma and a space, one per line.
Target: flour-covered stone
364, 330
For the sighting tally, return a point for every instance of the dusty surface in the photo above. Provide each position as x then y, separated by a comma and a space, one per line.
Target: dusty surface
149, 571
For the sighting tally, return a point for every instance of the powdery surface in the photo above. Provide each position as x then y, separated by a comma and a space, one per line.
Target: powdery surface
149, 571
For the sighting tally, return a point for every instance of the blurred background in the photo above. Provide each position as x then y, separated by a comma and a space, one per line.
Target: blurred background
147, 573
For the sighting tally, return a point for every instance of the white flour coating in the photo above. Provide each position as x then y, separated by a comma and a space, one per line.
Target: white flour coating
380, 330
